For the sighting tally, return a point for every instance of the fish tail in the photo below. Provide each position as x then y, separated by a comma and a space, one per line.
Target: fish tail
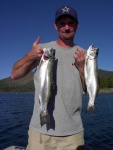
44, 118
91, 107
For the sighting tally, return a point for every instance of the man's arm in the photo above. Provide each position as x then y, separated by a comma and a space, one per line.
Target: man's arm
28, 62
79, 63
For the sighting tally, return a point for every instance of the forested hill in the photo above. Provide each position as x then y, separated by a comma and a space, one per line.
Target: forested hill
104, 73
26, 83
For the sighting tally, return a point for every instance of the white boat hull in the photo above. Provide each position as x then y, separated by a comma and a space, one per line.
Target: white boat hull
15, 148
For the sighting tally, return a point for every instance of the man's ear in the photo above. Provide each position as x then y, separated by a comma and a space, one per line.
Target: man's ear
55, 26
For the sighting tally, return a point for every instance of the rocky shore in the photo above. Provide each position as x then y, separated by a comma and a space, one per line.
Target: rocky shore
106, 90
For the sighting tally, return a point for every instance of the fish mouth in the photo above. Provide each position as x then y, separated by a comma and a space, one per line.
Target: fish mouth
45, 57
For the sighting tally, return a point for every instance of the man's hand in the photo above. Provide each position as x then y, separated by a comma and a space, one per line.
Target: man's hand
80, 59
79, 63
28, 62
36, 51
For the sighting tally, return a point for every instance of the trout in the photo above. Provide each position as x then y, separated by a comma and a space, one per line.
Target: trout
91, 75
45, 83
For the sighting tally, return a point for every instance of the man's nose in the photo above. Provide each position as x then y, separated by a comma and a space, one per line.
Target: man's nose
67, 27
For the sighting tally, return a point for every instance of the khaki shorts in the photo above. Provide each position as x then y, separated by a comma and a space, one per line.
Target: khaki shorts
38, 141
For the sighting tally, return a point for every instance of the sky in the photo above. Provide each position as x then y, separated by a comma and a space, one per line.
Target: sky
22, 21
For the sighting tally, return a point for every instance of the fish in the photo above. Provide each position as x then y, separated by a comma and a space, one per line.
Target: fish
91, 75
45, 83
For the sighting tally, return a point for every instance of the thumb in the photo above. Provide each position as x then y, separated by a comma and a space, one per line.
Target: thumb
37, 41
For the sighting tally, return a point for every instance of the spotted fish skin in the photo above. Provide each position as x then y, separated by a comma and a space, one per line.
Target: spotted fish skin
91, 75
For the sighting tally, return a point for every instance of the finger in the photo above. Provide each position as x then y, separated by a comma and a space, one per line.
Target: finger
80, 52
75, 56
37, 41
77, 53
41, 50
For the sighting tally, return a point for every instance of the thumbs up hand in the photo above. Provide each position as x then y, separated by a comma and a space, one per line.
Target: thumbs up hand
36, 50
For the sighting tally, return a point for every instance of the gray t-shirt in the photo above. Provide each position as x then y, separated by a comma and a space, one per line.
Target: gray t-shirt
65, 106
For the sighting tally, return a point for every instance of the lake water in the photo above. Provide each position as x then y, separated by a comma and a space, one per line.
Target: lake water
16, 110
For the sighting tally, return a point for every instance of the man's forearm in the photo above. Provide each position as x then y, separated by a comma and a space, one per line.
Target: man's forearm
28, 62
22, 67
83, 81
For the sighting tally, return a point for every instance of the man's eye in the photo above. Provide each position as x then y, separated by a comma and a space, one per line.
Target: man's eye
71, 23
62, 24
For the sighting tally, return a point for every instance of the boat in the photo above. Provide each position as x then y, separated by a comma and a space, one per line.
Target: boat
15, 148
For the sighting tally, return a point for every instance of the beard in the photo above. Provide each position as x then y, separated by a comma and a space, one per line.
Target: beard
67, 35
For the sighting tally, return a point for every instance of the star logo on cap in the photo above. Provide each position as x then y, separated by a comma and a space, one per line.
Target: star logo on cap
65, 9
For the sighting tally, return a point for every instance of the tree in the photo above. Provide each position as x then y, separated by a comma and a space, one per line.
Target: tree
110, 82
103, 83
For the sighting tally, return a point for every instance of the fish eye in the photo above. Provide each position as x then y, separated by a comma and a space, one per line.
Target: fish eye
92, 53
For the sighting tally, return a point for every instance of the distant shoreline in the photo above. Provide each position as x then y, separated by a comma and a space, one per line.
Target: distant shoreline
16, 92
106, 90
101, 91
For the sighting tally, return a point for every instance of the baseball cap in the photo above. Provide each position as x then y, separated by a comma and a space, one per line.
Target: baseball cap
66, 10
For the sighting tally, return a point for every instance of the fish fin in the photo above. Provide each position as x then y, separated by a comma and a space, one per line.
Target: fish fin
44, 118
91, 108
53, 86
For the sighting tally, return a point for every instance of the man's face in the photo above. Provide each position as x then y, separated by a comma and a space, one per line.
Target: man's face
66, 27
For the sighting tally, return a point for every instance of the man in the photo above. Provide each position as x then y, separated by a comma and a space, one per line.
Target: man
65, 131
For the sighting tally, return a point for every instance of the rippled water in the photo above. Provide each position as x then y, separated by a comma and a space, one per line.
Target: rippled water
99, 125
16, 110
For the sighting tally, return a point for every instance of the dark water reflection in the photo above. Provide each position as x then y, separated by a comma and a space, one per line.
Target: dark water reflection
99, 125
16, 110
